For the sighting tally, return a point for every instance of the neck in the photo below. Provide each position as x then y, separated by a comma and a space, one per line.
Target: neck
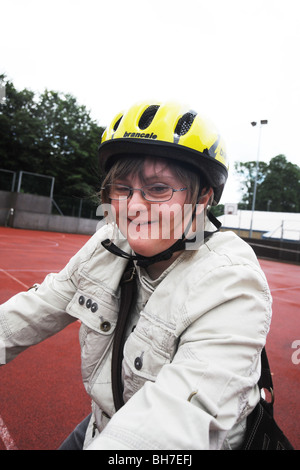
156, 269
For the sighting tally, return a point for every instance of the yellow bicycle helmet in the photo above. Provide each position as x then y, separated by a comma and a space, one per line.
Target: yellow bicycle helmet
168, 130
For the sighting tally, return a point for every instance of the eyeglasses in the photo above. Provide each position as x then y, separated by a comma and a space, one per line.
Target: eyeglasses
157, 192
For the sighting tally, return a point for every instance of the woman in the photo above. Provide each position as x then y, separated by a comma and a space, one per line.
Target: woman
190, 357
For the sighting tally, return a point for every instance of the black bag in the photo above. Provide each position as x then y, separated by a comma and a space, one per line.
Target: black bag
262, 432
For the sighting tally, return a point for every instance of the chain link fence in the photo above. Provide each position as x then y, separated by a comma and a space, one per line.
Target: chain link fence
43, 185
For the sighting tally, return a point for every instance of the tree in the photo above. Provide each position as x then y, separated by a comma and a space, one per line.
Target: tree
247, 173
218, 210
280, 189
18, 126
69, 143
278, 185
52, 135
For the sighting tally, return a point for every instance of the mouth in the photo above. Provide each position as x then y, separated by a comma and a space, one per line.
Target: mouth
145, 229
139, 222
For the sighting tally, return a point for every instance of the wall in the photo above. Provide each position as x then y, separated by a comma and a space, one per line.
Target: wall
28, 211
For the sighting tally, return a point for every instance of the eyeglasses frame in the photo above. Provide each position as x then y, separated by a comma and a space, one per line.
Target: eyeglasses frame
143, 192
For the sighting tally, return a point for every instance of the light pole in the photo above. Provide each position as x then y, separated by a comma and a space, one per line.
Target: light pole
253, 123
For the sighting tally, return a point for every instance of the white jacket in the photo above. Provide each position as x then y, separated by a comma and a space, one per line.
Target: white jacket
198, 340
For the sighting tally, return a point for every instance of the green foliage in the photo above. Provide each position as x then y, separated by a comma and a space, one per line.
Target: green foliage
218, 210
278, 185
50, 134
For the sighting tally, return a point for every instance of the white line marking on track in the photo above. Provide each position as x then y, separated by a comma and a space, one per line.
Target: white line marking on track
285, 288
14, 278
29, 270
6, 437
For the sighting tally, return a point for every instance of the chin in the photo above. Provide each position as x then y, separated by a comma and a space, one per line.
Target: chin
148, 247
143, 247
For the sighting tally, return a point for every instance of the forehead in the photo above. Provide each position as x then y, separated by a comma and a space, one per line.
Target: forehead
157, 167
147, 167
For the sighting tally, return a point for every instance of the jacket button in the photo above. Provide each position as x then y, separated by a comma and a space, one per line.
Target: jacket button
138, 363
94, 307
105, 326
81, 300
88, 303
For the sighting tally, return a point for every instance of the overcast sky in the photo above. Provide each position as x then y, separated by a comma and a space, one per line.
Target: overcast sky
236, 61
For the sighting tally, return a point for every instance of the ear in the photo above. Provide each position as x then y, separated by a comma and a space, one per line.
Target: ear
206, 196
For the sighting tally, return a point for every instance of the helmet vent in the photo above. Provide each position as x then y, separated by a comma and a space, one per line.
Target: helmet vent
184, 123
147, 116
117, 124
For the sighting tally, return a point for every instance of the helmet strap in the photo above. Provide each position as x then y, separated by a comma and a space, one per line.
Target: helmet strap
145, 261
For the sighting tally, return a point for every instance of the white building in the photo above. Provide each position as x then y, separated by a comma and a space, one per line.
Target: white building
267, 225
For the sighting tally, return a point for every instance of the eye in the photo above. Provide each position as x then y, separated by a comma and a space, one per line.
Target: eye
119, 188
158, 192
157, 188
118, 191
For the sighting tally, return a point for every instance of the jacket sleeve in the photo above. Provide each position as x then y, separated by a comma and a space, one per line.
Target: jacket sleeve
210, 385
30, 317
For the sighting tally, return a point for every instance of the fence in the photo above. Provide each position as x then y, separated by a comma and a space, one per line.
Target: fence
43, 185
75, 207
276, 249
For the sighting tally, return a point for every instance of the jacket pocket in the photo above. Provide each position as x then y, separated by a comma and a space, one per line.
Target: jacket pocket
150, 346
97, 312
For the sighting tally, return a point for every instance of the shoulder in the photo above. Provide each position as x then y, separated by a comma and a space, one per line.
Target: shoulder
230, 246
223, 267
93, 247
94, 262
221, 250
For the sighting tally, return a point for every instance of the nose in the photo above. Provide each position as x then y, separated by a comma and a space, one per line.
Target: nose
136, 195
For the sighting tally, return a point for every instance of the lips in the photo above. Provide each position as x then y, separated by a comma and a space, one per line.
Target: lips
140, 222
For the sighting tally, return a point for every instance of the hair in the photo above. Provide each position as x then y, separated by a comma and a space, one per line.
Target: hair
125, 165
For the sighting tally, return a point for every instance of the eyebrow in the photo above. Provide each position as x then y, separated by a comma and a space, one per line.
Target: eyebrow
145, 179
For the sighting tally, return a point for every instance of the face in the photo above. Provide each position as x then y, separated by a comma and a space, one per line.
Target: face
152, 227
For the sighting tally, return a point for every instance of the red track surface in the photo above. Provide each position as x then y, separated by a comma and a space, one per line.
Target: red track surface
42, 397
